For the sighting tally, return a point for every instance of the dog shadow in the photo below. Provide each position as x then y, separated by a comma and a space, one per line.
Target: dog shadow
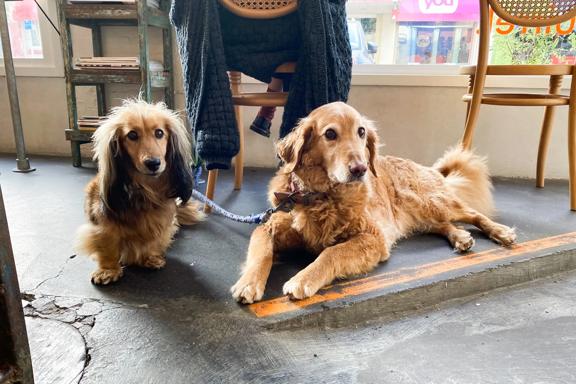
286, 265
177, 279
205, 277
408, 253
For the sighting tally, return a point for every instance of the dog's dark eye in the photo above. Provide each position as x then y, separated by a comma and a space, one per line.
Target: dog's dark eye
361, 132
159, 133
132, 135
330, 134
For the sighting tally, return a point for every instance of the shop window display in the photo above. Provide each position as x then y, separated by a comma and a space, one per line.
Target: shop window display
413, 32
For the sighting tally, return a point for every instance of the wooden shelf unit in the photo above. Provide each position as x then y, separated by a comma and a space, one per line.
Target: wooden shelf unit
114, 14
95, 17
105, 76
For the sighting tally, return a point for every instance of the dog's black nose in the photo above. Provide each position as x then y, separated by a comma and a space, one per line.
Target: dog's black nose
358, 170
152, 164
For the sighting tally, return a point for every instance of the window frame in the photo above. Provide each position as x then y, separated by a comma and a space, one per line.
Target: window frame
435, 75
394, 75
455, 80
52, 64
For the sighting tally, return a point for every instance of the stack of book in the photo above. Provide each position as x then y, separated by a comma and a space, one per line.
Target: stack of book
90, 122
151, 3
107, 63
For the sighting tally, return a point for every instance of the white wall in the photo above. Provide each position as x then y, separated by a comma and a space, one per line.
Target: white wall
414, 122
421, 122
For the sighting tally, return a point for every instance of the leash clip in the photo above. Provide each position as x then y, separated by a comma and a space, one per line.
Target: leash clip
286, 204
287, 201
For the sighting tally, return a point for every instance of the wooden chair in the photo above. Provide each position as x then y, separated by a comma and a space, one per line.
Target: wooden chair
526, 13
253, 9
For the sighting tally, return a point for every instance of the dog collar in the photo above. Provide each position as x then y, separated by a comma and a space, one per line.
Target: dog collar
297, 196
288, 200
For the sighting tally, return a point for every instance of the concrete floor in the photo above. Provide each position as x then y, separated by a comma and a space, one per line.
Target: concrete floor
180, 324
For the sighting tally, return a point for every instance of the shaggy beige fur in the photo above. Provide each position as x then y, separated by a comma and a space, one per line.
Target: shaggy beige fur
141, 191
372, 202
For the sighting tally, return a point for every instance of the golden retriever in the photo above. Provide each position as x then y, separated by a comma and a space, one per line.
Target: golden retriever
364, 203
141, 191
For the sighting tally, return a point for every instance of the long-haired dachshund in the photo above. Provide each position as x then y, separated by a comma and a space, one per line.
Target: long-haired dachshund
141, 191
355, 204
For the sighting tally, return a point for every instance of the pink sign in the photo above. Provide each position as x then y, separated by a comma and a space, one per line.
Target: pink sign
437, 10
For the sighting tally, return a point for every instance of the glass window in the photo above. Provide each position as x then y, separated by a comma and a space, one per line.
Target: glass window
519, 45
24, 28
413, 31
434, 43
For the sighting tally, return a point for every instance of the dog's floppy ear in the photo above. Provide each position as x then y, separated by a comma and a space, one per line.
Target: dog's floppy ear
111, 166
372, 144
292, 147
179, 159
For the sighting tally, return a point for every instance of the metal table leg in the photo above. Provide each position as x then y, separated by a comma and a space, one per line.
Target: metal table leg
22, 162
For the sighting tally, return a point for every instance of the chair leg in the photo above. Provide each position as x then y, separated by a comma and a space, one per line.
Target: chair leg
555, 83
470, 89
210, 187
471, 121
572, 157
543, 146
235, 81
572, 141
476, 89
479, 77
239, 160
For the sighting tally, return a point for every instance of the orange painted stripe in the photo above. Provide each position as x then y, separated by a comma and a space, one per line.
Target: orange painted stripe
373, 283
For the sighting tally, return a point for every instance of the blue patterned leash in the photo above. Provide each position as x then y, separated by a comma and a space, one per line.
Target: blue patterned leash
258, 218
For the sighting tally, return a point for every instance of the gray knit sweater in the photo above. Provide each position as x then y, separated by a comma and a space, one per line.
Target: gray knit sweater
212, 40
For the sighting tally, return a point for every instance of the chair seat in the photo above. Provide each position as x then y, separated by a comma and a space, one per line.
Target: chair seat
521, 70
289, 67
260, 9
521, 100
261, 99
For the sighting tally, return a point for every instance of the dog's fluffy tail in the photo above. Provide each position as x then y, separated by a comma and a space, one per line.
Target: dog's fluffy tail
86, 239
189, 213
468, 177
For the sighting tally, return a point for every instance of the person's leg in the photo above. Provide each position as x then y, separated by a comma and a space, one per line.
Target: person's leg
263, 120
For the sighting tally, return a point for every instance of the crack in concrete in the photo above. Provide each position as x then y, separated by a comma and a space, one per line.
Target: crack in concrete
44, 307
54, 277
86, 360
87, 349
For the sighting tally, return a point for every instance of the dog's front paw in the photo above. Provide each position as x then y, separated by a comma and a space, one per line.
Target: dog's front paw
248, 289
503, 235
461, 240
300, 287
106, 276
154, 262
